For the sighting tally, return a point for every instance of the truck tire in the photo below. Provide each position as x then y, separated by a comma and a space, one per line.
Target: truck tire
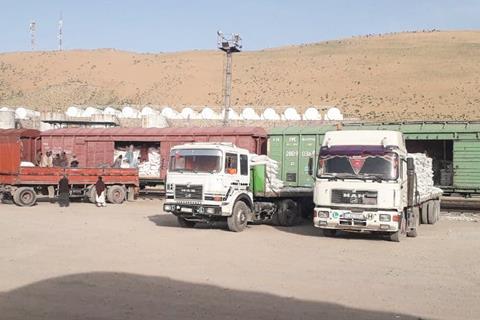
185, 223
416, 218
431, 214
436, 205
237, 222
424, 213
329, 232
396, 236
91, 191
24, 197
287, 212
116, 194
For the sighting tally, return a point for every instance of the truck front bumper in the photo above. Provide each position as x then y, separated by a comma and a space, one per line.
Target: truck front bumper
366, 221
192, 210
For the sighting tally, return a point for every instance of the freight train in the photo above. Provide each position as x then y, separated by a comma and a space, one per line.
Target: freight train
453, 146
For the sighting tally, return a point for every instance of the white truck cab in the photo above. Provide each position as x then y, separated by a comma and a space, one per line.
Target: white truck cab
362, 184
207, 182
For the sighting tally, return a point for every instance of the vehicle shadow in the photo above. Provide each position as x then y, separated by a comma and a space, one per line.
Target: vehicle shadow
112, 295
169, 220
305, 227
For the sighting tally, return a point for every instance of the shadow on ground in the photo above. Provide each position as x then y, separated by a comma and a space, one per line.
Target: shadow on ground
130, 296
169, 220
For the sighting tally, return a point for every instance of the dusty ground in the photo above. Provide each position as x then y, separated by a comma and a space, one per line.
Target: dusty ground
403, 76
133, 262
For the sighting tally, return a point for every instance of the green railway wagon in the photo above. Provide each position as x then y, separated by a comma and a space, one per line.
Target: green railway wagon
453, 146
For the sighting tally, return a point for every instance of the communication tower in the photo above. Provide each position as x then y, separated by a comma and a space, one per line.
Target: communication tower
33, 29
228, 44
60, 32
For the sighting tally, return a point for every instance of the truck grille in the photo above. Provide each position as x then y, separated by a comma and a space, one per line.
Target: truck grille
191, 192
354, 197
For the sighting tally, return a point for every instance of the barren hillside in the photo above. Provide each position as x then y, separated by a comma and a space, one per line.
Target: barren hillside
425, 75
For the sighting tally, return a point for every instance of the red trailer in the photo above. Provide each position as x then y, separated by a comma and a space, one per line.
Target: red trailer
94, 147
25, 183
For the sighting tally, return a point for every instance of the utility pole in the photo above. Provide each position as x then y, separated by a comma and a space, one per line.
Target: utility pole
33, 29
229, 45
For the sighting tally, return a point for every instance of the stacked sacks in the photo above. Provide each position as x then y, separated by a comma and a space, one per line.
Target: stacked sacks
151, 167
272, 183
424, 173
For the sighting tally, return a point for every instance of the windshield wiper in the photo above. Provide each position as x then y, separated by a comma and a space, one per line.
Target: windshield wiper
374, 177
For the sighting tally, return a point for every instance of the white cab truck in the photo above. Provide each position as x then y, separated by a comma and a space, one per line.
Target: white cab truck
209, 182
365, 181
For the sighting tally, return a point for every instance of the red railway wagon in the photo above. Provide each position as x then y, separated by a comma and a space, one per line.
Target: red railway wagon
29, 140
94, 147
25, 183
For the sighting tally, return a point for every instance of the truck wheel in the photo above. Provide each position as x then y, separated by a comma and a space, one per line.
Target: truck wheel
395, 236
237, 222
91, 194
416, 218
424, 213
436, 205
116, 194
431, 214
24, 197
329, 232
185, 223
287, 212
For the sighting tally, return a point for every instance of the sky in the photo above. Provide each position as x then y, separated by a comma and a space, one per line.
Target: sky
170, 26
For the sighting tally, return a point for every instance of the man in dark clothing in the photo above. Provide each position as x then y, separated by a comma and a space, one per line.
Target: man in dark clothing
118, 162
56, 160
74, 163
63, 192
100, 193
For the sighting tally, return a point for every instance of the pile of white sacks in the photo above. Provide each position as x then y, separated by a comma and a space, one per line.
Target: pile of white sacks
150, 168
272, 182
424, 172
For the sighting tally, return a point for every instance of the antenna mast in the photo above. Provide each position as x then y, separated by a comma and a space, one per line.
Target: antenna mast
60, 32
33, 29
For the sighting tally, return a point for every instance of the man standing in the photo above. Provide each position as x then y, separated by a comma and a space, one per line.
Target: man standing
64, 192
118, 162
100, 193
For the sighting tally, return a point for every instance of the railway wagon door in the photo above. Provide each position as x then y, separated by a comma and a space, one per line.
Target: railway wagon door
99, 154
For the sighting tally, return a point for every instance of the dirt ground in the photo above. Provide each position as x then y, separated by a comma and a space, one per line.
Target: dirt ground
132, 261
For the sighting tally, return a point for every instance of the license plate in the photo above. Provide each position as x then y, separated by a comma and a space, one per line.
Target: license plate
184, 209
351, 215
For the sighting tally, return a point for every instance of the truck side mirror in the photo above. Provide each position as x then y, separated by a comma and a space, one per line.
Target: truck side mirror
310, 166
410, 164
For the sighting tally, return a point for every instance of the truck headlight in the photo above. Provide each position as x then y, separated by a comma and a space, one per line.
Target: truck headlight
323, 214
210, 210
167, 208
385, 218
169, 186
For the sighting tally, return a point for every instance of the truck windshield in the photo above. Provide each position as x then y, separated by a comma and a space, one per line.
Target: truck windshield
195, 160
359, 166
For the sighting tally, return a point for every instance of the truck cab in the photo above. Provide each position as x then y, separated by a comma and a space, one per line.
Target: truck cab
361, 183
209, 182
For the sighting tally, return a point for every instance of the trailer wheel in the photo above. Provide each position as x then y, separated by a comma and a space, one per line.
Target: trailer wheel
431, 214
25, 197
237, 222
116, 194
416, 218
185, 223
287, 212
424, 213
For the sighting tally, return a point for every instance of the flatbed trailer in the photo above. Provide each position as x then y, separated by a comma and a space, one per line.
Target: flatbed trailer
24, 184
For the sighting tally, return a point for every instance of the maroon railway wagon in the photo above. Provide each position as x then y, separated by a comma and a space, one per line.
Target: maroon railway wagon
95, 147
23, 182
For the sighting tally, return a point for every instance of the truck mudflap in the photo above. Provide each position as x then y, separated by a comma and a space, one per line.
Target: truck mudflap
366, 221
